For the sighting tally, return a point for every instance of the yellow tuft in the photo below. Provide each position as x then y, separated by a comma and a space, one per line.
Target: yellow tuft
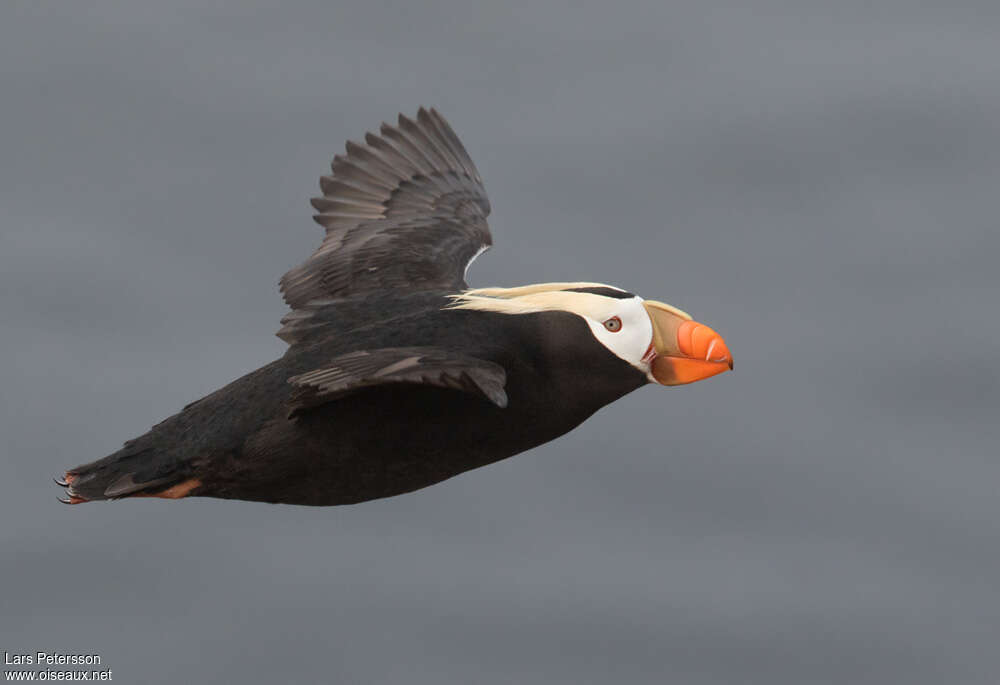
525, 299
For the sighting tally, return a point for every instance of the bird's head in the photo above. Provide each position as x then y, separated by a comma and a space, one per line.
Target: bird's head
658, 339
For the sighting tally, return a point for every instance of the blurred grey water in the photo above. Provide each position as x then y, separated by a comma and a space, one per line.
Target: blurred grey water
817, 181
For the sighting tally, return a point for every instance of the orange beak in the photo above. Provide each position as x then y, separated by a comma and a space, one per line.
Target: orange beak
683, 351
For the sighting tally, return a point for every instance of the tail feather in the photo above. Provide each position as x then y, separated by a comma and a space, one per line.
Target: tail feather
122, 475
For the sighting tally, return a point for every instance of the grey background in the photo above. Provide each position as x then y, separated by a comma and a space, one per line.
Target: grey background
818, 181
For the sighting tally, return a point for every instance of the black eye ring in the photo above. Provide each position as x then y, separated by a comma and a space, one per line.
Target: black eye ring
614, 324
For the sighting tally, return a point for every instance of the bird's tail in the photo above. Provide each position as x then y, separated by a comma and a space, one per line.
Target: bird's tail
126, 473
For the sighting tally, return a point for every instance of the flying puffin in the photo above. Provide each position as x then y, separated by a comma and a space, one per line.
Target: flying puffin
397, 375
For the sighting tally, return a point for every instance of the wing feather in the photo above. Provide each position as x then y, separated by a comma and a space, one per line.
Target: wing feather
404, 210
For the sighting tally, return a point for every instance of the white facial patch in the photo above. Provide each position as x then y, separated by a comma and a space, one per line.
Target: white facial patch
629, 342
632, 340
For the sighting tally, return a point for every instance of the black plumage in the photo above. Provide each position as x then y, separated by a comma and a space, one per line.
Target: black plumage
386, 387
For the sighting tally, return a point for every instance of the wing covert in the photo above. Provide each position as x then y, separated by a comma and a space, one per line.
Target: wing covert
416, 365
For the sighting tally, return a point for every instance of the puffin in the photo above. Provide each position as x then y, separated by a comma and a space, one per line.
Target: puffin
398, 375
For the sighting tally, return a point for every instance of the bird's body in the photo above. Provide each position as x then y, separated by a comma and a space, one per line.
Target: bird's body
398, 376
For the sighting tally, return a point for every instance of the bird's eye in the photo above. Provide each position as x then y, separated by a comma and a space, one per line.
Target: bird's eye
614, 324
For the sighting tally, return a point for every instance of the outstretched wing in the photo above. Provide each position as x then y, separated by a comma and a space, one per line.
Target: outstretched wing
421, 365
405, 210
